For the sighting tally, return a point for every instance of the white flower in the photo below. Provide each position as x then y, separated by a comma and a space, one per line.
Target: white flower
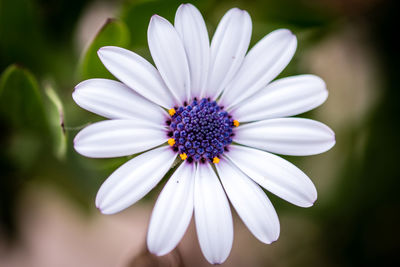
191, 106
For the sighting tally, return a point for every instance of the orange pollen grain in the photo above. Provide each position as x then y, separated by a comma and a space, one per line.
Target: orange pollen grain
183, 156
171, 112
171, 141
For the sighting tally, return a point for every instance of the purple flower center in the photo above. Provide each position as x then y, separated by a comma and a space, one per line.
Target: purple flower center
201, 130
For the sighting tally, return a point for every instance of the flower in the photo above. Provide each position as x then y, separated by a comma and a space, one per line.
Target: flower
211, 113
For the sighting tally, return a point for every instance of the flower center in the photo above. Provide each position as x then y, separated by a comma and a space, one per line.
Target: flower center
200, 131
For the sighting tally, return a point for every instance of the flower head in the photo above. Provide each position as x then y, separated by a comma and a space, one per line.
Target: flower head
213, 110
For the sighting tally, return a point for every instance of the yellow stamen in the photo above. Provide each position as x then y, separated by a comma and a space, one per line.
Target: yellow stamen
183, 156
171, 141
215, 160
236, 123
171, 112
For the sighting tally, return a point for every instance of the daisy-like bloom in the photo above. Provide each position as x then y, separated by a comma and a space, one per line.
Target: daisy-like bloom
211, 113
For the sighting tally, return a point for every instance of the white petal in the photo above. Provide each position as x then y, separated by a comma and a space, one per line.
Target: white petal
134, 180
285, 97
172, 212
250, 202
116, 138
168, 54
114, 100
287, 136
192, 29
275, 174
137, 73
228, 48
213, 216
261, 65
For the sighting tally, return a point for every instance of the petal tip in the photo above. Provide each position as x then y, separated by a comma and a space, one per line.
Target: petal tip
107, 211
101, 209
245, 13
101, 50
310, 200
273, 240
184, 5
155, 22
311, 203
269, 239
307, 205
284, 31
79, 150
75, 92
155, 18
237, 11
97, 207
156, 252
314, 198
277, 234
331, 137
97, 202
75, 142
101, 53
79, 85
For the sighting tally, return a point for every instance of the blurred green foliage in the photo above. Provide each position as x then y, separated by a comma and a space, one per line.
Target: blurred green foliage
20, 101
22, 125
40, 66
113, 32
55, 111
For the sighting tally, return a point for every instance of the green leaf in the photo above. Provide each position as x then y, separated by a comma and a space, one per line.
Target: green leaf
137, 15
21, 105
20, 22
23, 118
55, 115
113, 32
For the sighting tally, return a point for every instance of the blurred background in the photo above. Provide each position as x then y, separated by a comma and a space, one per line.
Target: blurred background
47, 212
